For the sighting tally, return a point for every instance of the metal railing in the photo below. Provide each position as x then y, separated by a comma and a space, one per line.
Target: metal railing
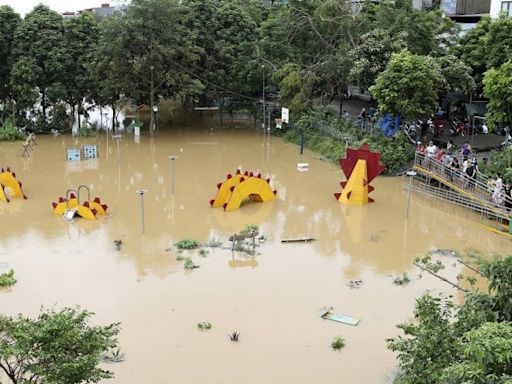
477, 191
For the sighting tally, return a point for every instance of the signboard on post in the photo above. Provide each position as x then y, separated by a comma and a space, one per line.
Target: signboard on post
285, 115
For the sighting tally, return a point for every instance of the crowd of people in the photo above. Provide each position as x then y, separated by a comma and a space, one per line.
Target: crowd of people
461, 167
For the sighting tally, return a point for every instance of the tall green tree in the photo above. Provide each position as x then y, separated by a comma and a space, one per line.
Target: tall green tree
408, 86
81, 36
39, 40
58, 347
162, 51
9, 21
498, 88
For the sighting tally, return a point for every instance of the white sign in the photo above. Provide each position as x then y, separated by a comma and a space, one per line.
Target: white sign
285, 115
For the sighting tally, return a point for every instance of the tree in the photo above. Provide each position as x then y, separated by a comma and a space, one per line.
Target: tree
456, 74
9, 21
40, 39
408, 86
56, 347
498, 88
81, 37
466, 344
162, 51
473, 48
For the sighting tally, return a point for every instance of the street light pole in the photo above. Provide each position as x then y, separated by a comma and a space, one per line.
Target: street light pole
263, 122
141, 192
411, 175
173, 161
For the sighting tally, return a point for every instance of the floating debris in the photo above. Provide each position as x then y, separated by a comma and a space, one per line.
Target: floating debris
118, 244
355, 284
234, 336
204, 325
443, 252
402, 280
298, 240
325, 313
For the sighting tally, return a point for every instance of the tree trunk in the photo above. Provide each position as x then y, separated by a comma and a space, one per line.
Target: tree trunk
43, 101
113, 118
152, 104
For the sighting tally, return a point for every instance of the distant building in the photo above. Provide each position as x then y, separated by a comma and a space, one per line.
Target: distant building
498, 6
105, 10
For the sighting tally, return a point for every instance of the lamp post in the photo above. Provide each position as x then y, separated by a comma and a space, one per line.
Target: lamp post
173, 162
155, 111
263, 122
411, 175
141, 192
117, 138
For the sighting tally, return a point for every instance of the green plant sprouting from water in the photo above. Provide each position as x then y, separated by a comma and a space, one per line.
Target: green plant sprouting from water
338, 343
204, 325
402, 280
251, 228
187, 244
7, 279
214, 243
189, 264
203, 252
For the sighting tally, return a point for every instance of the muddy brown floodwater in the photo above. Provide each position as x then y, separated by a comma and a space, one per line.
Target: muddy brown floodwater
271, 299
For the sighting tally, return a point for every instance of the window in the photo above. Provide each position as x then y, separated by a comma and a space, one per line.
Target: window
507, 7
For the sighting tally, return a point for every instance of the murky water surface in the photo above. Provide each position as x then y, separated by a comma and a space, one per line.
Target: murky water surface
271, 299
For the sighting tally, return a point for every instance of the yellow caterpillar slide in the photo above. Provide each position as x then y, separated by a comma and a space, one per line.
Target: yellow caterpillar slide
234, 190
9, 186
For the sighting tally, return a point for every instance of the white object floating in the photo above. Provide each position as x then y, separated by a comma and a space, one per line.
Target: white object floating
302, 167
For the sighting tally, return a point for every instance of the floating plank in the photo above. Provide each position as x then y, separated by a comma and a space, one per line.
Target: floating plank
298, 240
325, 313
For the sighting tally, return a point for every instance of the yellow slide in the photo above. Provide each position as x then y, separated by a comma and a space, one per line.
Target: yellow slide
235, 189
9, 186
87, 210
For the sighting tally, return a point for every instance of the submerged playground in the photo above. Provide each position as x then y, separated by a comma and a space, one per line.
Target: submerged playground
100, 231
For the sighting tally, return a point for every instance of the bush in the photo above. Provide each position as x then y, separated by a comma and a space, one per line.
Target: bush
251, 228
7, 279
338, 343
9, 132
187, 244
204, 325
499, 162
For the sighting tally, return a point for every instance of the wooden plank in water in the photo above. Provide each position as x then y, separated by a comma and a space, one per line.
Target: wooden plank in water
298, 240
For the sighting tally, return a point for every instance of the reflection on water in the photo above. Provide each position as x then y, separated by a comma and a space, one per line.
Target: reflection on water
271, 298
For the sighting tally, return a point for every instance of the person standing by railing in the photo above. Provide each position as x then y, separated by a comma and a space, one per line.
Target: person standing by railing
498, 189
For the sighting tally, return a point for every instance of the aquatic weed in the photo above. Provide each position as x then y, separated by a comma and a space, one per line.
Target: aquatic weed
403, 280
7, 279
338, 343
189, 264
204, 325
234, 336
187, 244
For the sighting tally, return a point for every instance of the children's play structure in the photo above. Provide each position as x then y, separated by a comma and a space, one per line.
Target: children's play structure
235, 189
9, 186
360, 166
72, 206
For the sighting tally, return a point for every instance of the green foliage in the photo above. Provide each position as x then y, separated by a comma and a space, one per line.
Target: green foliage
56, 347
9, 21
189, 264
470, 343
498, 88
203, 252
187, 244
86, 130
456, 74
408, 86
214, 243
204, 325
338, 343
250, 228
499, 162
427, 263
396, 151
402, 280
9, 132
7, 279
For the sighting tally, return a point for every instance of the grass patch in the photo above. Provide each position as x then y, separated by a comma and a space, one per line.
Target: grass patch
7, 279
187, 244
338, 343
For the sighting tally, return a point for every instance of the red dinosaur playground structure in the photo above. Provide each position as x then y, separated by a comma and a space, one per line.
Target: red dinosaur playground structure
360, 166
232, 192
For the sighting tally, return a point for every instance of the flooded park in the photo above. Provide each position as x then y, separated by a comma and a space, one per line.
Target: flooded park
272, 297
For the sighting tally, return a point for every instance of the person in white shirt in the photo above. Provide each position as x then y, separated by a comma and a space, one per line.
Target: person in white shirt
431, 150
498, 188
485, 130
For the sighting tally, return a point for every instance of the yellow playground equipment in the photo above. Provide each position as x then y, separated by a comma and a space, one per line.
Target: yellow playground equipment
71, 205
9, 186
232, 192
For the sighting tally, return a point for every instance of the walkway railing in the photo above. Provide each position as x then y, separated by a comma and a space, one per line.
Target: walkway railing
479, 190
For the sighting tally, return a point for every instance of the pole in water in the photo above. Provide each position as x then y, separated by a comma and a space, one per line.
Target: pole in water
141, 192
117, 138
411, 175
173, 161
301, 141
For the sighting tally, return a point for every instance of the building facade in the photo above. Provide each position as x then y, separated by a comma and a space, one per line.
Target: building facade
498, 6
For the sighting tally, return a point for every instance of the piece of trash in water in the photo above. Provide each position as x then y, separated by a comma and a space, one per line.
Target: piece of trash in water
302, 167
325, 313
443, 252
168, 249
355, 283
118, 244
298, 240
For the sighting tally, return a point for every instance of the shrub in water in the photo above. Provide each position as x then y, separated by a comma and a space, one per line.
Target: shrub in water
338, 343
187, 244
7, 279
